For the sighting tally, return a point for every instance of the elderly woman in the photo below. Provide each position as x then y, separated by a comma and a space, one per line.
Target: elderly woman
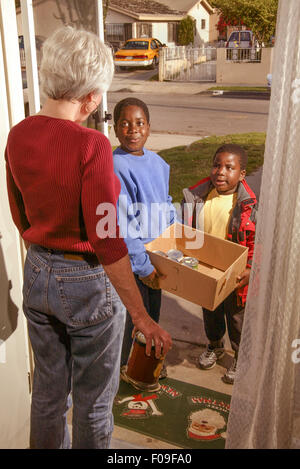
77, 277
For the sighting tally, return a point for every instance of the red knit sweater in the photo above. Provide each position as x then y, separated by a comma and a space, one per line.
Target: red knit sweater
58, 173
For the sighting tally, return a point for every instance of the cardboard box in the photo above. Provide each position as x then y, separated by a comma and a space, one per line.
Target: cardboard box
220, 262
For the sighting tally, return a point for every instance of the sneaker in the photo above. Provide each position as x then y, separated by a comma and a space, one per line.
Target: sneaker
230, 373
207, 359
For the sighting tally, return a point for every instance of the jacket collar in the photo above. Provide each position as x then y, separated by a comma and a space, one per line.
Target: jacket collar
200, 191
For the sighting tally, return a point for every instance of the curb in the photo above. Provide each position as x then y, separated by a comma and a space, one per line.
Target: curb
237, 94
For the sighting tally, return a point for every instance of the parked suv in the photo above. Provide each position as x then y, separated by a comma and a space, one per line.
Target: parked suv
242, 39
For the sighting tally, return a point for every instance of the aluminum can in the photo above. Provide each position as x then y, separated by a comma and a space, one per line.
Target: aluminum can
191, 262
175, 255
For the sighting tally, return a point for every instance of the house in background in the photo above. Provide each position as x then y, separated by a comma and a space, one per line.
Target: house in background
141, 18
205, 15
159, 19
124, 20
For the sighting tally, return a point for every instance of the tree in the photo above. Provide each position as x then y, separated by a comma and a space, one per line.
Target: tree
186, 31
223, 23
258, 15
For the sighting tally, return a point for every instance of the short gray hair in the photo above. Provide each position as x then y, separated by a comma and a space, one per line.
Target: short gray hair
74, 64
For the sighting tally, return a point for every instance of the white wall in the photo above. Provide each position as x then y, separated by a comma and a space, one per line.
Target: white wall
14, 352
160, 31
200, 13
44, 20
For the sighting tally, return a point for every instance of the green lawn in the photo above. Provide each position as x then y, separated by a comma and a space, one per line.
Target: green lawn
190, 163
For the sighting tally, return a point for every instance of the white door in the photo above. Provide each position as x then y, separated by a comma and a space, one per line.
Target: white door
14, 352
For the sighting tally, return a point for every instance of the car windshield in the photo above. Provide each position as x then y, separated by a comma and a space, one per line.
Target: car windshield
136, 45
234, 36
245, 36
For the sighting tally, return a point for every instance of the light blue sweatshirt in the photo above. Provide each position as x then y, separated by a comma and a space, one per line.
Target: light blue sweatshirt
145, 207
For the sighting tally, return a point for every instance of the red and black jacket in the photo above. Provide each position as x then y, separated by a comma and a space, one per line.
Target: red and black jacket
242, 223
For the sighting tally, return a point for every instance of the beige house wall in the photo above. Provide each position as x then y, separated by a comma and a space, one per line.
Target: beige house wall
213, 32
249, 73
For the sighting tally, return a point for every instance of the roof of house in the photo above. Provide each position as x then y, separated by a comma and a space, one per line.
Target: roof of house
186, 5
148, 7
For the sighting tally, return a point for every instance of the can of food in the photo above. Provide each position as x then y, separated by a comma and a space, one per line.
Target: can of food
175, 255
161, 253
142, 371
191, 262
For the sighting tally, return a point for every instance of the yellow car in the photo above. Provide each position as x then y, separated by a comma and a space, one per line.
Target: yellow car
140, 52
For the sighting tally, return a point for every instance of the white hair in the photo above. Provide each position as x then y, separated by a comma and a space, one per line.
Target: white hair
74, 64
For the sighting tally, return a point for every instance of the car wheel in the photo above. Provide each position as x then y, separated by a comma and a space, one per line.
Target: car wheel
154, 63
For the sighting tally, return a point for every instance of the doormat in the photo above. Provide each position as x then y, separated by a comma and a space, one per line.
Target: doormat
182, 414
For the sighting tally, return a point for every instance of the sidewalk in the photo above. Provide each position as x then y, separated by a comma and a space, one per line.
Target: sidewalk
120, 84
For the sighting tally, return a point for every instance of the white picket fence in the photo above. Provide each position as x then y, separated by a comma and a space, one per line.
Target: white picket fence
187, 64
200, 64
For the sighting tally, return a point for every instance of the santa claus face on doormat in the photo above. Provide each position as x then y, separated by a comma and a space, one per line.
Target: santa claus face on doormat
206, 424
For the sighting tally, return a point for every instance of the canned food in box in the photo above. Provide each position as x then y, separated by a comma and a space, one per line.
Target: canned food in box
175, 255
190, 262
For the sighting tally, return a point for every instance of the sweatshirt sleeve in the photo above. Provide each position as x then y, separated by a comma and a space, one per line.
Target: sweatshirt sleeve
99, 195
130, 217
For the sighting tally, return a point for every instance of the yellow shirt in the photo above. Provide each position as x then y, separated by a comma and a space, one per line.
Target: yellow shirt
217, 212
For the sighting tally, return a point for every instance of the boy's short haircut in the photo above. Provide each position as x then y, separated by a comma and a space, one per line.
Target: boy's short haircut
234, 149
130, 102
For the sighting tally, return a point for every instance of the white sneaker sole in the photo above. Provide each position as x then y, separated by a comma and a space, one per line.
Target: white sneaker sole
213, 365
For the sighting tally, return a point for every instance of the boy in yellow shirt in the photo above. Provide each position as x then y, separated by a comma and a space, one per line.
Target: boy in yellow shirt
224, 205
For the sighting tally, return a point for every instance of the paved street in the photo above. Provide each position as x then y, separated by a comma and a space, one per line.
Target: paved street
180, 108
184, 112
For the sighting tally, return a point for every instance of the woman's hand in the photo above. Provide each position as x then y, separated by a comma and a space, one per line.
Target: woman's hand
152, 280
121, 276
154, 334
243, 278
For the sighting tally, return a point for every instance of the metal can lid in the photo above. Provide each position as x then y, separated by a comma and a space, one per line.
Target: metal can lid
142, 339
191, 262
175, 254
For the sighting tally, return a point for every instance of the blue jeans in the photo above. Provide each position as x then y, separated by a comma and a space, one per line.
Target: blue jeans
152, 303
75, 323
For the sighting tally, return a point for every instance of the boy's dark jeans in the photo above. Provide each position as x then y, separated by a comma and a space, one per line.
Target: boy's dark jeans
152, 302
215, 324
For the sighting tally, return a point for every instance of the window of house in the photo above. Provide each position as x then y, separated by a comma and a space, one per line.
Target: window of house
172, 32
203, 24
115, 32
144, 29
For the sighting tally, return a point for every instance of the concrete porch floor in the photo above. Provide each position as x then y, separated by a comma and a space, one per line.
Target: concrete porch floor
183, 320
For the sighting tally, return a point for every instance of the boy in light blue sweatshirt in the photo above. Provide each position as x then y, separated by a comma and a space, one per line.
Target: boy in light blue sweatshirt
145, 206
